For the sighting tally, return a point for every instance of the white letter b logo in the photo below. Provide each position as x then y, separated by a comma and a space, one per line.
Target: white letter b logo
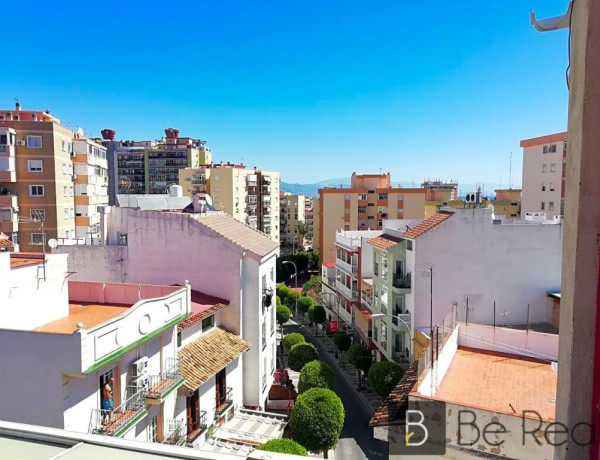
410, 433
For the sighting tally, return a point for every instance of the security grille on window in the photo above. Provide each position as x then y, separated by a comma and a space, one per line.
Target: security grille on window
37, 215
36, 190
35, 166
34, 142
122, 239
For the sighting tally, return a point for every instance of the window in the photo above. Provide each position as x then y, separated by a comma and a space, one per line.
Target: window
34, 142
370, 204
153, 429
380, 222
543, 206
37, 215
346, 197
15, 238
400, 197
272, 274
264, 335
544, 167
383, 196
207, 323
362, 209
67, 213
38, 239
35, 165
36, 190
565, 145
362, 196
409, 245
553, 167
178, 338
63, 145
122, 239
273, 354
370, 217
543, 187
65, 190
550, 205
551, 187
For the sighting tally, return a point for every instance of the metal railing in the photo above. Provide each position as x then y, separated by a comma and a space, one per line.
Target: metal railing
397, 319
160, 384
176, 432
198, 426
264, 381
224, 402
402, 282
109, 422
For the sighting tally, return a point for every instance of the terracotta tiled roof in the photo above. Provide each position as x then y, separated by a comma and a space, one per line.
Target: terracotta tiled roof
5, 241
384, 241
427, 224
196, 317
393, 409
25, 259
209, 354
244, 236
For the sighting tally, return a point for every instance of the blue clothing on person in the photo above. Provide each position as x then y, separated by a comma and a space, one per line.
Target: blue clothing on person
107, 404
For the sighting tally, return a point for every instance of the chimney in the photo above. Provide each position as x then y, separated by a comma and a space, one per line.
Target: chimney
198, 207
18, 106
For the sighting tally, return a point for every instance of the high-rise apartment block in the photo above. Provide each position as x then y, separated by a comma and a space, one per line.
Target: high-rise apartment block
292, 212
251, 196
37, 181
369, 201
148, 167
544, 170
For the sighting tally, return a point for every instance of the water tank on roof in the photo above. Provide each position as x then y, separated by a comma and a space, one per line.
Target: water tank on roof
172, 133
108, 134
176, 190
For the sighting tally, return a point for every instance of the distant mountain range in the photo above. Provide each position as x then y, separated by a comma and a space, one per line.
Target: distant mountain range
313, 189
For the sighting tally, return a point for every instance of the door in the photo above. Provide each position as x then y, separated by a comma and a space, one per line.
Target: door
193, 411
221, 387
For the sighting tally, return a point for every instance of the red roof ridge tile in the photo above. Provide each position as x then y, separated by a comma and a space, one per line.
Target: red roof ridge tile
427, 224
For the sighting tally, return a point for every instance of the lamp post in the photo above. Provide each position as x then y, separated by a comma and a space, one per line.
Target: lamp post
382, 315
295, 281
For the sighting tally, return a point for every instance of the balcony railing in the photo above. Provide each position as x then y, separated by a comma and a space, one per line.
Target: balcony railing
176, 433
402, 282
197, 427
367, 298
348, 268
224, 402
264, 381
350, 294
115, 422
397, 319
162, 384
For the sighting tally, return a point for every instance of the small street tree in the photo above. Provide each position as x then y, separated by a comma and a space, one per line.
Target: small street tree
282, 315
317, 315
317, 420
315, 374
383, 377
342, 341
360, 357
292, 339
301, 354
284, 446
277, 300
304, 304
302, 229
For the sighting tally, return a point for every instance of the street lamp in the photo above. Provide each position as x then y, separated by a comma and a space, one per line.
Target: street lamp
295, 281
383, 315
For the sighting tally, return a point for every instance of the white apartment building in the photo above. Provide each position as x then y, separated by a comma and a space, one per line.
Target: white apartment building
291, 213
544, 169
90, 175
69, 338
467, 260
218, 255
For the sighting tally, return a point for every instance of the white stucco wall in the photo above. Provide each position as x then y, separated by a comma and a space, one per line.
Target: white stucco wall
513, 265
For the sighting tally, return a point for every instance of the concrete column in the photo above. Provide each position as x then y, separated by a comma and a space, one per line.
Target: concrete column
581, 229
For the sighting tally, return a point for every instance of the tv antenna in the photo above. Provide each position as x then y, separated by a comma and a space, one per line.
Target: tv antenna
504, 314
38, 218
510, 171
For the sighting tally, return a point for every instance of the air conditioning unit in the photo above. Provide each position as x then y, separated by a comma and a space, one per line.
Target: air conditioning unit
20, 142
138, 368
140, 383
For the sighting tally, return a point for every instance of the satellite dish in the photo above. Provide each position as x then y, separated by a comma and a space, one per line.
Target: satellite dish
80, 133
53, 243
208, 199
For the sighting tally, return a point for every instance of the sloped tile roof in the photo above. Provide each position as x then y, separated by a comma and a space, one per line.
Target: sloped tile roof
209, 354
393, 409
384, 241
5, 241
196, 317
242, 235
427, 224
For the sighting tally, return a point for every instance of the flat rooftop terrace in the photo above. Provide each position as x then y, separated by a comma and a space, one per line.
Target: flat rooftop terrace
499, 382
89, 314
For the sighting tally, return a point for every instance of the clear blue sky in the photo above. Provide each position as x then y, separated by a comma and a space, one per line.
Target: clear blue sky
315, 89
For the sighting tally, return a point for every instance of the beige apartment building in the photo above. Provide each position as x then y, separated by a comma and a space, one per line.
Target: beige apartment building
544, 169
90, 168
369, 201
36, 178
507, 203
291, 213
251, 196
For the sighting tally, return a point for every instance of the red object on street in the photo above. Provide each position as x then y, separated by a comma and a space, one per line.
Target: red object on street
332, 326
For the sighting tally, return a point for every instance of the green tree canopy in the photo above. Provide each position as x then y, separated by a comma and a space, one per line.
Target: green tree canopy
284, 446
317, 420
383, 377
282, 291
282, 314
289, 340
314, 281
317, 314
300, 354
342, 340
304, 304
360, 357
315, 374
278, 300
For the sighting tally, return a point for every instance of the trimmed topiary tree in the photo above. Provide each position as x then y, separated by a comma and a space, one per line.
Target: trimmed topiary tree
383, 377
317, 315
360, 357
282, 315
342, 340
277, 300
315, 374
282, 291
292, 339
300, 355
304, 304
317, 420
284, 446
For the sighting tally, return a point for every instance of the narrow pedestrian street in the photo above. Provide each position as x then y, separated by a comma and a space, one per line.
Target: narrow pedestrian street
356, 440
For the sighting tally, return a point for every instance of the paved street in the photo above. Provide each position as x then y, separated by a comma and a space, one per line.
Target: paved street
356, 441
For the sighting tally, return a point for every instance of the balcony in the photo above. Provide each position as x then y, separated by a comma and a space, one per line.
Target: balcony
402, 281
119, 420
264, 382
159, 386
266, 199
401, 320
224, 402
266, 179
197, 427
350, 294
176, 433
348, 268
367, 299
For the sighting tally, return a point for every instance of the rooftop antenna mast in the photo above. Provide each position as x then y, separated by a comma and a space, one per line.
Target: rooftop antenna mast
38, 218
510, 172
